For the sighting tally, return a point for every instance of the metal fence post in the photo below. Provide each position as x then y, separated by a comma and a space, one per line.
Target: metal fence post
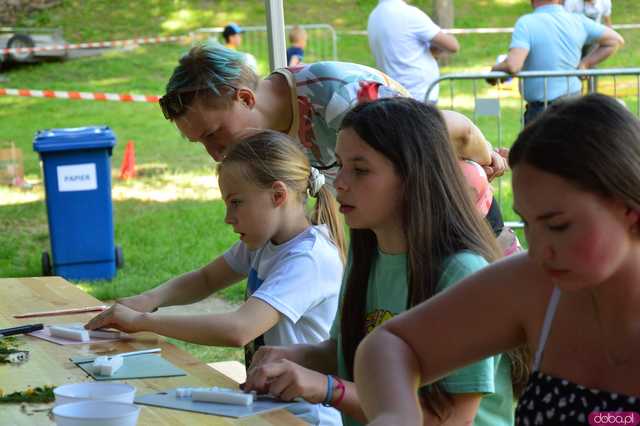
275, 31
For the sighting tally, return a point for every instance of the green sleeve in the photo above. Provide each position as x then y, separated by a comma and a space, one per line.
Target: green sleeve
477, 377
458, 267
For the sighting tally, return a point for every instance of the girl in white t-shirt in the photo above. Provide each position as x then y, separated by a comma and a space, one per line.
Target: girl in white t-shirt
293, 262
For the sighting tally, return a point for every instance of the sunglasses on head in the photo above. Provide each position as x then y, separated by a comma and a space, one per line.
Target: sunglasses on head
174, 104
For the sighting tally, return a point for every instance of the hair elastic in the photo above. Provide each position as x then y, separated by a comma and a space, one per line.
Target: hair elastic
316, 180
341, 387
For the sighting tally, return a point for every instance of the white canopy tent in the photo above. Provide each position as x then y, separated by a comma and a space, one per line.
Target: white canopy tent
276, 34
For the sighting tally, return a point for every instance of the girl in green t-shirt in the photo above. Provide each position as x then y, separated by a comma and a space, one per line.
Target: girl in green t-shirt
414, 231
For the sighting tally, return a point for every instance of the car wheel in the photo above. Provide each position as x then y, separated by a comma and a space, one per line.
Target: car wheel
20, 41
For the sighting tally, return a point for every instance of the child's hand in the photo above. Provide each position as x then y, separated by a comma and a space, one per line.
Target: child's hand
140, 303
119, 317
499, 163
287, 380
269, 354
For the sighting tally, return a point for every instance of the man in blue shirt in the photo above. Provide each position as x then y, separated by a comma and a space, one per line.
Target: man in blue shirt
551, 39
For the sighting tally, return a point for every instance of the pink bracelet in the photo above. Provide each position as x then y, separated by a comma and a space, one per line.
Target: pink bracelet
341, 387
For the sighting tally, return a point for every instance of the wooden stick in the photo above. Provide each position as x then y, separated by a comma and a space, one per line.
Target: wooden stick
70, 311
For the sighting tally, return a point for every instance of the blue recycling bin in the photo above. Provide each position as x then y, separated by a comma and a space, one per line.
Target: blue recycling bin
77, 177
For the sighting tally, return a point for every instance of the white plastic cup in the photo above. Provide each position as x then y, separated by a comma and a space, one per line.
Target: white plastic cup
76, 392
96, 413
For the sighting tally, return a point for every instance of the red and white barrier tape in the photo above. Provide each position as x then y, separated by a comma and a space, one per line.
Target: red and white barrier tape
97, 44
87, 96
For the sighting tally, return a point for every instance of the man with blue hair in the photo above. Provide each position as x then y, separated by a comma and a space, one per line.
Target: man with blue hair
213, 96
551, 39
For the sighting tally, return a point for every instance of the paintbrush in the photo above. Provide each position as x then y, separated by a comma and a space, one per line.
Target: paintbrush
69, 311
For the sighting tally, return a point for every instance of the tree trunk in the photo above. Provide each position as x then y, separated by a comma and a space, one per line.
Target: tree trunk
443, 13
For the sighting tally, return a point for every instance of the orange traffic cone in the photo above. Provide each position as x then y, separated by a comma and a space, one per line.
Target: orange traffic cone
128, 167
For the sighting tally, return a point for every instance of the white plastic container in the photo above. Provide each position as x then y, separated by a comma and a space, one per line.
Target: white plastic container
76, 392
96, 413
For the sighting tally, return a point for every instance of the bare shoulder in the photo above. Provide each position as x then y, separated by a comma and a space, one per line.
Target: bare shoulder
514, 284
454, 118
525, 285
518, 274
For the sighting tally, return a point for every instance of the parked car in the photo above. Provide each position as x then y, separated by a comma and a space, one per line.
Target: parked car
11, 38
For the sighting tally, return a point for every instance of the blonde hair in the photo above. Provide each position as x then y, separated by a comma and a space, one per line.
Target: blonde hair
297, 34
267, 156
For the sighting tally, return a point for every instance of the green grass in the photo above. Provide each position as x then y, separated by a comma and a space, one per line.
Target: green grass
160, 241
167, 220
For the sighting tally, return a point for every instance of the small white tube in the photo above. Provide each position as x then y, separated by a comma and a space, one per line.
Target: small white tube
223, 396
69, 333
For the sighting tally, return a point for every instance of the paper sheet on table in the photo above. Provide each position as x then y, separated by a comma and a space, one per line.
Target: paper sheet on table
45, 335
143, 366
168, 399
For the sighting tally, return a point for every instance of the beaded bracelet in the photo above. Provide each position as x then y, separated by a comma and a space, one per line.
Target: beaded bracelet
329, 395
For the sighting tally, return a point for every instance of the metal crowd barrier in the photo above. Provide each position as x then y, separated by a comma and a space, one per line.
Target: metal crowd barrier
488, 101
322, 42
497, 30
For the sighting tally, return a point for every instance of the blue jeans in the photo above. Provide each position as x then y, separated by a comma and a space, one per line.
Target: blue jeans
535, 108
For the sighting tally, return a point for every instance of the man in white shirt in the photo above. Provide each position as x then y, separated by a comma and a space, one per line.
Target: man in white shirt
598, 10
404, 40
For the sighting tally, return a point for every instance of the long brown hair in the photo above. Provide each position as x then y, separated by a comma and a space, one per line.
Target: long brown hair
438, 216
592, 142
267, 156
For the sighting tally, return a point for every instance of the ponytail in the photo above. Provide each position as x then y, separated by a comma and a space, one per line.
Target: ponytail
326, 212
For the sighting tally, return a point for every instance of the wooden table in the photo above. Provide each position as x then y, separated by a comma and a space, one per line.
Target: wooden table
49, 363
